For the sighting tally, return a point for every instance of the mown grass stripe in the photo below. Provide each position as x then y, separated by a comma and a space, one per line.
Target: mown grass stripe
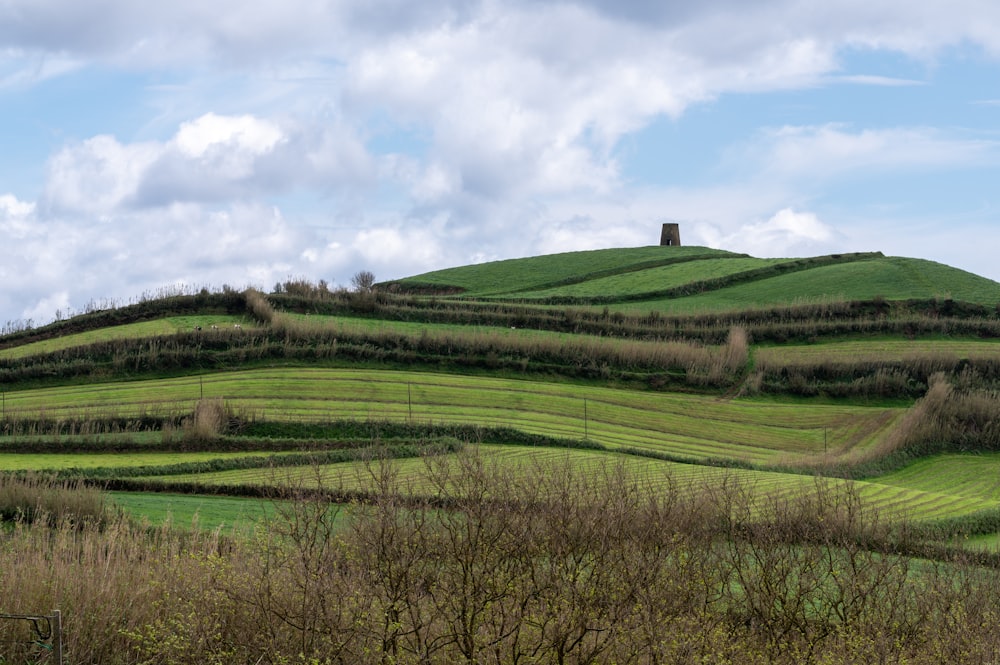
689, 425
890, 501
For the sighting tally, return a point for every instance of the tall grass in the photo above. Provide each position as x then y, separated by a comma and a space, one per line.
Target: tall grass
951, 417
35, 498
208, 422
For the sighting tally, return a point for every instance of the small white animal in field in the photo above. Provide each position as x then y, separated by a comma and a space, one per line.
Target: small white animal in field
215, 327
238, 326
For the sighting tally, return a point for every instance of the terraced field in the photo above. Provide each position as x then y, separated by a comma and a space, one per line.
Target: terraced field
63, 462
687, 426
876, 350
907, 494
516, 275
165, 326
195, 511
972, 476
890, 278
658, 278
629, 416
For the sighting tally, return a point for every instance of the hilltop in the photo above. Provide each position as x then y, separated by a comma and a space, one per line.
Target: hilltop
692, 278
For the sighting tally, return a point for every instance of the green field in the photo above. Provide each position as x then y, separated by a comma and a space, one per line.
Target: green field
876, 350
97, 460
906, 494
434, 362
688, 426
516, 275
891, 278
195, 511
656, 279
144, 329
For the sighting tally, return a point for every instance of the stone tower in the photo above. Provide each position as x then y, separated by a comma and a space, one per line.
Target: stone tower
671, 235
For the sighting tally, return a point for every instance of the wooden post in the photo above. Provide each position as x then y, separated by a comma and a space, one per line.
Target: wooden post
57, 636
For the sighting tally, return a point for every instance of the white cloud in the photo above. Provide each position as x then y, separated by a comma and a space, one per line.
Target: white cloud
520, 108
211, 158
785, 233
96, 175
46, 308
240, 138
15, 217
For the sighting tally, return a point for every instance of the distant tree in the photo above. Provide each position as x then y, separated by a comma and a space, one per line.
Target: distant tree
363, 281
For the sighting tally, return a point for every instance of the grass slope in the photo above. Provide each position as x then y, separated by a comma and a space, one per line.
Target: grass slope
914, 500
158, 327
186, 510
516, 275
874, 350
655, 279
648, 431
891, 278
687, 426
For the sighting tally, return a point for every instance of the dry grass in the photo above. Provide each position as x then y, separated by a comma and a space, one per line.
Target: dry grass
34, 497
208, 421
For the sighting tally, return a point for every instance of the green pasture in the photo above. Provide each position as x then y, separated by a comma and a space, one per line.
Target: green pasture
514, 275
893, 278
656, 279
99, 460
875, 350
413, 477
97, 440
973, 476
195, 511
159, 327
693, 427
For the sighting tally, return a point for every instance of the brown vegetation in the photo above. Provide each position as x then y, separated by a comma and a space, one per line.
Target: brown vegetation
954, 416
535, 565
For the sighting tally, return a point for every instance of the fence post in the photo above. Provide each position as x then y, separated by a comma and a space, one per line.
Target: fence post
57, 636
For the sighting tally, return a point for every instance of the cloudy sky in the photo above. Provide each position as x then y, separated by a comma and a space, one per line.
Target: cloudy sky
211, 142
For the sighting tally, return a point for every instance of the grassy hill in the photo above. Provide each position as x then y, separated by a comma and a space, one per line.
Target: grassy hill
540, 272
565, 351
820, 418
693, 278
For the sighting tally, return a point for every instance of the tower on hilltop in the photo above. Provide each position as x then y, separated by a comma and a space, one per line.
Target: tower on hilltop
671, 235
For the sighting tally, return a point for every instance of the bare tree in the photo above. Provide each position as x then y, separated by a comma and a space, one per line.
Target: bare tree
363, 281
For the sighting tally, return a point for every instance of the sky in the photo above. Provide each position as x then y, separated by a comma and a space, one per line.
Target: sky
149, 147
